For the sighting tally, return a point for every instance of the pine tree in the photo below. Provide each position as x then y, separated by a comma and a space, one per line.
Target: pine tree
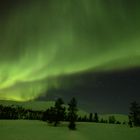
134, 116
96, 118
72, 116
90, 117
59, 111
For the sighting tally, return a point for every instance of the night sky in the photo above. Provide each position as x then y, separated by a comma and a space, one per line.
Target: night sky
89, 49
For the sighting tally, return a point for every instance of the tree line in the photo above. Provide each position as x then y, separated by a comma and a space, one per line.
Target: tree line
18, 112
59, 112
52, 115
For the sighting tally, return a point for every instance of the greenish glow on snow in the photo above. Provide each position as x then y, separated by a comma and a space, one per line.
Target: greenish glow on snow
24, 129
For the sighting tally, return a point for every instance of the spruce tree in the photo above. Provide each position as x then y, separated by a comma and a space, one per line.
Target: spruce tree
134, 115
90, 117
96, 118
59, 111
72, 116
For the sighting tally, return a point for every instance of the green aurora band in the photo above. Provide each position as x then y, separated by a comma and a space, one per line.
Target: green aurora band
42, 40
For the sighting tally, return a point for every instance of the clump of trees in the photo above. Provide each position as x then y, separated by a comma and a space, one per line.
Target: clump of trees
55, 114
112, 119
134, 115
58, 113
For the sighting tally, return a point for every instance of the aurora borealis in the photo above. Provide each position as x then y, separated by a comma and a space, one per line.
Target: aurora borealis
42, 40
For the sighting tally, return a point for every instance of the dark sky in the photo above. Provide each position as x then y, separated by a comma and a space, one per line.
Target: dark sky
89, 49
110, 92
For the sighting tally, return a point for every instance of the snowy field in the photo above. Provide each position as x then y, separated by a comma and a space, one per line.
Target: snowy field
37, 130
